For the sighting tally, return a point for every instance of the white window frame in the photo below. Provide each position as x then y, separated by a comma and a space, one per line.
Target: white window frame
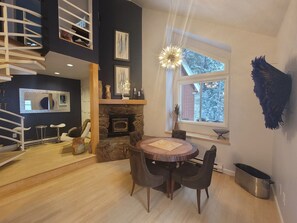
212, 76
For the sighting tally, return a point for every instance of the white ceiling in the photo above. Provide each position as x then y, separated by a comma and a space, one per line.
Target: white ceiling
260, 16
55, 62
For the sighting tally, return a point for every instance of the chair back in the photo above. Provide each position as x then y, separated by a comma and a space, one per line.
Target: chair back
135, 137
205, 172
86, 130
84, 125
179, 134
139, 171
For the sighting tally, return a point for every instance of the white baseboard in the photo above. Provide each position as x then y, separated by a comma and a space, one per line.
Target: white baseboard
277, 205
229, 172
217, 166
38, 141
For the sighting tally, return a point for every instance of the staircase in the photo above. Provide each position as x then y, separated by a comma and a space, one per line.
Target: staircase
17, 48
18, 127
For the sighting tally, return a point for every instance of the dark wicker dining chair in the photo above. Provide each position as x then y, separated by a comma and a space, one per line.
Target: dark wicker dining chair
135, 137
179, 134
196, 177
148, 176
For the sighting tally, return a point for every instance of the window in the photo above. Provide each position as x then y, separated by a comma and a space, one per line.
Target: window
202, 89
28, 105
195, 63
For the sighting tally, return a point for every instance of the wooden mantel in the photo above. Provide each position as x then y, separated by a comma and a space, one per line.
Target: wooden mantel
121, 102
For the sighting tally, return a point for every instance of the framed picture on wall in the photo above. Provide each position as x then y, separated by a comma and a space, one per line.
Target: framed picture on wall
62, 100
121, 79
121, 46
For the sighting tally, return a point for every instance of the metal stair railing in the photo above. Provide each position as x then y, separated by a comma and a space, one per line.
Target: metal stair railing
20, 124
12, 50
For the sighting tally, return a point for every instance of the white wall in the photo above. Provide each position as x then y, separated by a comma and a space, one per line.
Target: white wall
85, 99
251, 143
285, 146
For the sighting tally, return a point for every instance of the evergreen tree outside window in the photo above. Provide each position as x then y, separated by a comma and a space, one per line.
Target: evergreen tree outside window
202, 89
200, 64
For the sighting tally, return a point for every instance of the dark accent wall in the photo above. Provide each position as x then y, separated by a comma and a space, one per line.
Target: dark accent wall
11, 97
33, 5
52, 41
124, 16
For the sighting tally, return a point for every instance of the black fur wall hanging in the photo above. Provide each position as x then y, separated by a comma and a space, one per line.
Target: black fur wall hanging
273, 89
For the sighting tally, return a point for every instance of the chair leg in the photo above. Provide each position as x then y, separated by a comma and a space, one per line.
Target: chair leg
148, 199
168, 188
133, 185
58, 136
172, 189
198, 199
206, 189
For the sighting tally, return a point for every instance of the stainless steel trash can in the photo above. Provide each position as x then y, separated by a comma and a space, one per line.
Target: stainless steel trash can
252, 180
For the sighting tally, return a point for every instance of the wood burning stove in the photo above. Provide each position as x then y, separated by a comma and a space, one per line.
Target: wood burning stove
120, 125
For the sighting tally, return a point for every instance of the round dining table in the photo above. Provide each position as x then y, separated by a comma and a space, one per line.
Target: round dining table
167, 149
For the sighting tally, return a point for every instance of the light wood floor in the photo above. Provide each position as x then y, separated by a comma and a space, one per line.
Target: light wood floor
38, 159
100, 193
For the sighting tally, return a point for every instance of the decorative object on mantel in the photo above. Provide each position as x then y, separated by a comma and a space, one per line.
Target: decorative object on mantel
273, 89
125, 87
134, 95
221, 132
121, 80
100, 89
140, 94
175, 115
107, 92
171, 57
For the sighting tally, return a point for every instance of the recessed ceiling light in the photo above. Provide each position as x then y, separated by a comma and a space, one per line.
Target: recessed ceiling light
70, 65
57, 73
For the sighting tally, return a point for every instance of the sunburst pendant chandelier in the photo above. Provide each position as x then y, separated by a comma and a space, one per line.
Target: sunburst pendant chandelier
171, 57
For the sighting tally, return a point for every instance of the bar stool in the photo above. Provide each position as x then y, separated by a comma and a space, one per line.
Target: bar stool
62, 125
42, 129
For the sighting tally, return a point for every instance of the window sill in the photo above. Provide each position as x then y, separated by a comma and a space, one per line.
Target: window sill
204, 137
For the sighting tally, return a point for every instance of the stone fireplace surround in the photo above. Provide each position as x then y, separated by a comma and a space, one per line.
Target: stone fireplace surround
115, 148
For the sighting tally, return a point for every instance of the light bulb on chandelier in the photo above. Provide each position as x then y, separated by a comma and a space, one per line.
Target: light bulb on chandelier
171, 57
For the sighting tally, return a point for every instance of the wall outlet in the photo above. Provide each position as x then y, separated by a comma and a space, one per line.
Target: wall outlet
14, 135
284, 198
280, 189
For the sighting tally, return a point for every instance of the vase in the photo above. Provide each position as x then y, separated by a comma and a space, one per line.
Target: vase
107, 92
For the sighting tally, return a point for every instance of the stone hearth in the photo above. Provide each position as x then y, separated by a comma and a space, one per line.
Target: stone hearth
115, 148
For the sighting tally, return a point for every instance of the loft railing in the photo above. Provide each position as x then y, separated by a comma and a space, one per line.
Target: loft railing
19, 124
75, 23
30, 32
